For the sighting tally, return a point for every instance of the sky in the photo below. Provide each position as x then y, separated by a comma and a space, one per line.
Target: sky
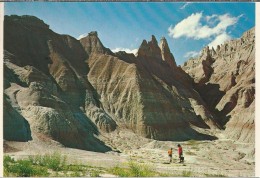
188, 27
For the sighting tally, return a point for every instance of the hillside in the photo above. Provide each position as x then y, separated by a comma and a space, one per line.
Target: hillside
75, 91
225, 79
103, 110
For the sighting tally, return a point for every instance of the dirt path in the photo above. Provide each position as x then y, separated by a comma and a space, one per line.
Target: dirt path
202, 158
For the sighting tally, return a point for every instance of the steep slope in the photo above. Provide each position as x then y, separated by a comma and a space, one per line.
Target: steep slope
16, 126
225, 79
166, 53
45, 79
92, 44
145, 93
72, 90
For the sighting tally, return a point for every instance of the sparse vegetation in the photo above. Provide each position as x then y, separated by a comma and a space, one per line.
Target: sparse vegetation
164, 175
22, 168
134, 170
75, 174
192, 142
121, 172
186, 174
56, 165
45, 165
95, 173
215, 175
52, 161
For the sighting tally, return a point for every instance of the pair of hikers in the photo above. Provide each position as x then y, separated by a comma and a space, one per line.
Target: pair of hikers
180, 153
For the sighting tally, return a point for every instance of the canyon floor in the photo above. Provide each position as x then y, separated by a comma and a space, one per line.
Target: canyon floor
222, 157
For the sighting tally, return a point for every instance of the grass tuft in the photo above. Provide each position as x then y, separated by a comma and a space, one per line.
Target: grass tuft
94, 173
215, 175
47, 165
192, 142
54, 161
22, 168
186, 174
121, 172
134, 170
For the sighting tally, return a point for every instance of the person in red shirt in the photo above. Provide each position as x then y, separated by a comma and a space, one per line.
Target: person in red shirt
180, 153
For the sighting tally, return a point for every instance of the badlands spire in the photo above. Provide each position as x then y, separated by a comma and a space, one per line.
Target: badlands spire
166, 53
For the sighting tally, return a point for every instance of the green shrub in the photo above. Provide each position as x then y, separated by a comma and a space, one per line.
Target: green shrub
75, 174
75, 167
165, 175
94, 173
134, 170
8, 159
52, 161
215, 175
24, 168
141, 170
186, 174
36, 160
7, 162
121, 172
138, 170
55, 161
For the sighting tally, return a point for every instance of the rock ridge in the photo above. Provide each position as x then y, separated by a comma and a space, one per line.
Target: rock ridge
73, 91
156, 52
92, 44
225, 79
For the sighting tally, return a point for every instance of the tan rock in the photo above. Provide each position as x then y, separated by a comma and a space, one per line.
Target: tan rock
231, 71
92, 44
166, 53
52, 71
143, 94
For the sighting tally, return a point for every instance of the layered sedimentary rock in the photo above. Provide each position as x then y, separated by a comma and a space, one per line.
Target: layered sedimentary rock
46, 77
225, 78
92, 44
62, 82
145, 94
72, 90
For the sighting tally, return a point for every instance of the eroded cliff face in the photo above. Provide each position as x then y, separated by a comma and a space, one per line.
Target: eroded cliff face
71, 90
225, 79
46, 80
149, 94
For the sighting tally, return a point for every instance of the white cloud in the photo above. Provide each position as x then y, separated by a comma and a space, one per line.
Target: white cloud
220, 39
82, 36
187, 27
185, 5
191, 27
134, 51
211, 17
191, 54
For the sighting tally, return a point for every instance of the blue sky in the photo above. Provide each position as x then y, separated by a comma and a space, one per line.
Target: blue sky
188, 27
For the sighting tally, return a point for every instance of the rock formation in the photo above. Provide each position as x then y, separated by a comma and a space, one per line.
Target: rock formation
142, 93
72, 90
16, 127
46, 77
92, 44
225, 79
166, 53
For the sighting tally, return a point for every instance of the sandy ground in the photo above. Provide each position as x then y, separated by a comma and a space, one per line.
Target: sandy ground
221, 157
